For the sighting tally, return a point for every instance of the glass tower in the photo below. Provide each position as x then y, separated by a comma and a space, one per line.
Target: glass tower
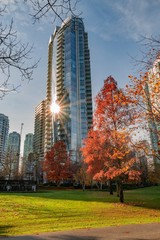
14, 152
28, 148
4, 128
28, 145
72, 84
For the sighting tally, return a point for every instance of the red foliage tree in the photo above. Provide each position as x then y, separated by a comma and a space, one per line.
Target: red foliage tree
106, 149
57, 164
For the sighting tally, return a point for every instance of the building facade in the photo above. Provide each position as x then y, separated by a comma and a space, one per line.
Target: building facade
39, 138
39, 129
4, 129
69, 85
152, 91
13, 154
28, 148
48, 133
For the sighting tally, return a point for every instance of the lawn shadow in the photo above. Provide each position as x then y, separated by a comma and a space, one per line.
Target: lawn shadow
51, 237
68, 237
3, 230
137, 238
73, 195
137, 199
72, 237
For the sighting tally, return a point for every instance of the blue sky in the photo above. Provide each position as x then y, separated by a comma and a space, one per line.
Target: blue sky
114, 28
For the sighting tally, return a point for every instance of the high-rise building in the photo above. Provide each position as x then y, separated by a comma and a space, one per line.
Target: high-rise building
39, 129
4, 129
153, 106
69, 76
28, 148
13, 153
48, 135
28, 145
39, 136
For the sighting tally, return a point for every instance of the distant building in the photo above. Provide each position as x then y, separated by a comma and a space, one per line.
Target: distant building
13, 153
39, 133
69, 76
4, 129
153, 105
28, 148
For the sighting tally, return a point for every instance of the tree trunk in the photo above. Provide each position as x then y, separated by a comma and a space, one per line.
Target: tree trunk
110, 188
121, 195
117, 187
91, 185
58, 183
83, 186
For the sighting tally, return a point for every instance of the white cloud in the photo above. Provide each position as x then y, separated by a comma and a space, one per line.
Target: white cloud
5, 90
127, 18
6, 2
133, 17
40, 29
11, 5
17, 10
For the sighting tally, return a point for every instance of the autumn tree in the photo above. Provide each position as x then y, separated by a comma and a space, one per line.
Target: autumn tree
106, 150
144, 93
144, 89
149, 49
154, 174
57, 164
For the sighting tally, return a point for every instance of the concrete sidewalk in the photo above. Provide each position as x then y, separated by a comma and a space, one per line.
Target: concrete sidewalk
126, 232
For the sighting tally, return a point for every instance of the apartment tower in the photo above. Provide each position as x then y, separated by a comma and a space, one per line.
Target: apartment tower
153, 106
4, 128
39, 136
13, 152
48, 139
69, 85
28, 148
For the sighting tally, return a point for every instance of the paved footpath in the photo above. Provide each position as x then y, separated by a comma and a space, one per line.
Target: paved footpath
127, 232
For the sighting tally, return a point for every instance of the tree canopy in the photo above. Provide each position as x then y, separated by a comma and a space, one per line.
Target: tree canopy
57, 164
107, 150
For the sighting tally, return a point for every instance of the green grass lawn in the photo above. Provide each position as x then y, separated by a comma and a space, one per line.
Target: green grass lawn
33, 213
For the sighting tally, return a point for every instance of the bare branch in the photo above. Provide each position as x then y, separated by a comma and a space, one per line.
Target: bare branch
13, 55
17, 55
58, 8
149, 50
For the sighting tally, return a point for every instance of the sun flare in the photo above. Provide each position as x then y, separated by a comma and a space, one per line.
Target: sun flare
55, 108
